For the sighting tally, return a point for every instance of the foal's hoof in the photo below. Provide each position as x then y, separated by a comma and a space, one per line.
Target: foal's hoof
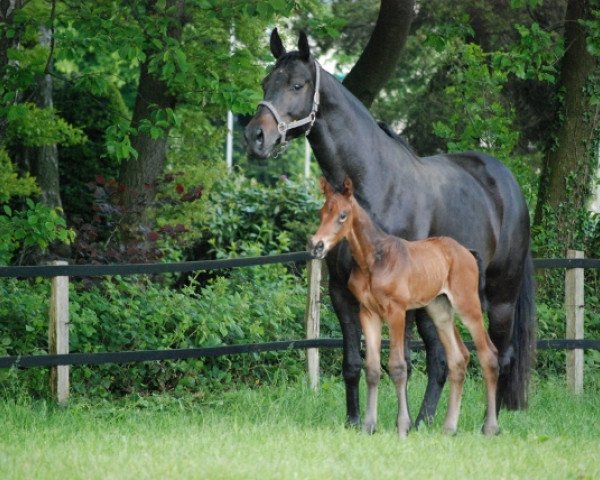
450, 431
370, 428
490, 431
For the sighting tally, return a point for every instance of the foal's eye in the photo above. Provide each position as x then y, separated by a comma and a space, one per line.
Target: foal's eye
343, 217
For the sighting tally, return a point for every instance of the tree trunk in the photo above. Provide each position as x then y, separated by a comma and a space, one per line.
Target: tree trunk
45, 158
7, 11
565, 185
139, 175
379, 58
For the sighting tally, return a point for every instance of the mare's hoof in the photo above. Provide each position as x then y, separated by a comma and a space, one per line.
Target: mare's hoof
423, 423
352, 422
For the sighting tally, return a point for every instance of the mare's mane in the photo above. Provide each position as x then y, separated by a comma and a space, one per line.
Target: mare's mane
398, 138
292, 56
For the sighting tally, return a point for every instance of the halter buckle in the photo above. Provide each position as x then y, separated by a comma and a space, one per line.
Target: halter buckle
281, 149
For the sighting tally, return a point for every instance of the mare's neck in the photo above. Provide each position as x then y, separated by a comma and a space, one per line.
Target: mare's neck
347, 141
364, 238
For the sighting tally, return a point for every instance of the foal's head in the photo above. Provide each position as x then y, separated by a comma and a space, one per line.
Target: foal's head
336, 218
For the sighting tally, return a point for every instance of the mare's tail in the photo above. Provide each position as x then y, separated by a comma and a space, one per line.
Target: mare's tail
513, 385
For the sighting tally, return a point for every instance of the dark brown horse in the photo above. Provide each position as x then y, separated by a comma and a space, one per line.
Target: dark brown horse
390, 276
470, 197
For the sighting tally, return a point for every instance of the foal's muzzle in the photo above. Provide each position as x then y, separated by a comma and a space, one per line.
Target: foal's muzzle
317, 250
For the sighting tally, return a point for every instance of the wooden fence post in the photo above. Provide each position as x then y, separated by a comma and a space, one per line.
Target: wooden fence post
574, 305
313, 320
58, 335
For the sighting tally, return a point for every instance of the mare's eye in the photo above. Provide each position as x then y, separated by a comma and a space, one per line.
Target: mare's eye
343, 217
297, 86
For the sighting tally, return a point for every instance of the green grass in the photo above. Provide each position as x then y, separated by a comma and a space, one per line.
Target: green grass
287, 431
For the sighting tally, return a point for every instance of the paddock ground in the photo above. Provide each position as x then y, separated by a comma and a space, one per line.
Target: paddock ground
287, 431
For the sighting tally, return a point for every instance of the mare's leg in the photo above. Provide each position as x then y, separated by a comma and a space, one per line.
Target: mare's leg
437, 369
501, 314
339, 263
510, 294
398, 368
371, 325
457, 357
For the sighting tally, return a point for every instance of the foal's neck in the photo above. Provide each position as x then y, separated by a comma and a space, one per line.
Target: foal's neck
365, 238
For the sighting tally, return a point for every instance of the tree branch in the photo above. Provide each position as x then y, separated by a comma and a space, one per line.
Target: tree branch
379, 58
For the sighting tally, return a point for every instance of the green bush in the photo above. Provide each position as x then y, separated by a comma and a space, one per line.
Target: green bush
244, 305
255, 304
37, 226
11, 184
278, 218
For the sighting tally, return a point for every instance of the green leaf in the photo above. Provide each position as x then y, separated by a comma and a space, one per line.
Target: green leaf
155, 133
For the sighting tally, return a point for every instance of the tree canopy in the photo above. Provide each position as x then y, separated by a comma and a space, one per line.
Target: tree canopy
138, 92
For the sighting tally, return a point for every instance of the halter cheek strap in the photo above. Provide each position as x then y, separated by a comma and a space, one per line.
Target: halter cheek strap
282, 126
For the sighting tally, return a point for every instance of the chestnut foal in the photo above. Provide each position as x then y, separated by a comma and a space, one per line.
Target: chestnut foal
392, 275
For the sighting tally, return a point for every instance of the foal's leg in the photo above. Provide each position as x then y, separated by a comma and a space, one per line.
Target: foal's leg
371, 325
398, 367
457, 357
468, 307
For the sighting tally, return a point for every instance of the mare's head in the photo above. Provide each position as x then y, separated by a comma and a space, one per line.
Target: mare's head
336, 218
289, 105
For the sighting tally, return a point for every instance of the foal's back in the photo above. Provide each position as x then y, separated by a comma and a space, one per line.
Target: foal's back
432, 267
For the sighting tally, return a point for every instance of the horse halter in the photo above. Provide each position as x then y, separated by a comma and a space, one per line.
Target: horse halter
283, 127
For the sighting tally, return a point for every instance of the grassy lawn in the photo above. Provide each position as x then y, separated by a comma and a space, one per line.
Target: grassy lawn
287, 431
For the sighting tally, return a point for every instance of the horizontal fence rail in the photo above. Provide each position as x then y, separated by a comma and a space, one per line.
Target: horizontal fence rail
158, 268
57, 359
147, 268
99, 358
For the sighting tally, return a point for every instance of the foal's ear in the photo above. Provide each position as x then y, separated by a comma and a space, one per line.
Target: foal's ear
326, 187
277, 48
348, 189
303, 47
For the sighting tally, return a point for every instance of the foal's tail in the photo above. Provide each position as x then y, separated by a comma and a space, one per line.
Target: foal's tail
513, 391
482, 297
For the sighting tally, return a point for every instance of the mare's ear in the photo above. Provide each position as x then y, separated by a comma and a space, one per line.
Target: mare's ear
303, 47
348, 189
277, 48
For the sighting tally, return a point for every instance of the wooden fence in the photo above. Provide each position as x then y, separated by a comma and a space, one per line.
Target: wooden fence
59, 359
